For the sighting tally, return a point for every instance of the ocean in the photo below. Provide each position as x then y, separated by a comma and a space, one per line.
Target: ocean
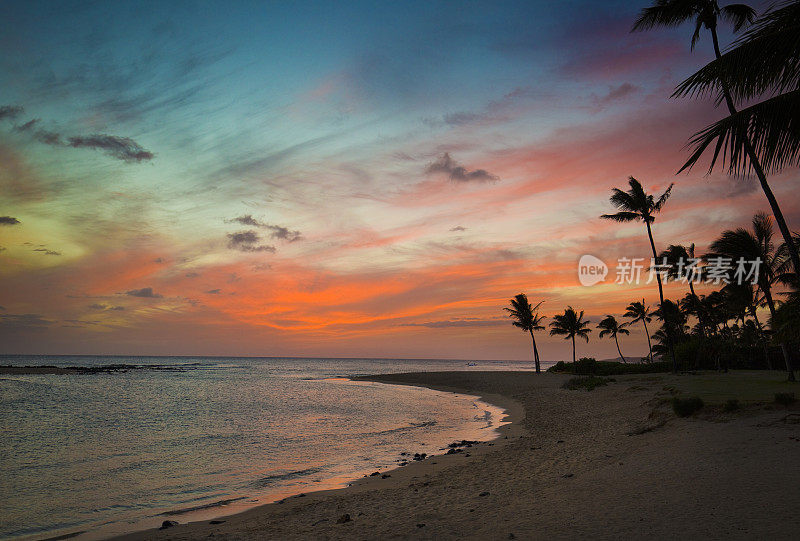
201, 437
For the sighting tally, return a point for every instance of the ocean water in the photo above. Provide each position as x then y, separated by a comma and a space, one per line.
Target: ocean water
110, 453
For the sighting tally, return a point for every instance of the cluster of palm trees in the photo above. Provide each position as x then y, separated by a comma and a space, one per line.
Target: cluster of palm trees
758, 79
571, 324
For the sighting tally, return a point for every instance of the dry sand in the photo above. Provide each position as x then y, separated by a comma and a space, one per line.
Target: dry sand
612, 463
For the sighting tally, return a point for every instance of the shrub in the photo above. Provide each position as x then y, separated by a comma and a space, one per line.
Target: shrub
684, 407
731, 405
588, 383
784, 399
613, 368
585, 366
560, 366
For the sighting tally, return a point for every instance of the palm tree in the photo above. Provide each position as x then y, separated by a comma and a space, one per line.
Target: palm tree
769, 127
639, 311
673, 318
677, 258
527, 318
569, 325
748, 246
611, 327
634, 205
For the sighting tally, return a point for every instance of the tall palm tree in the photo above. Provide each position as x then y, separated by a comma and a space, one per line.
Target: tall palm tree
635, 205
569, 325
527, 318
750, 245
639, 311
611, 327
754, 128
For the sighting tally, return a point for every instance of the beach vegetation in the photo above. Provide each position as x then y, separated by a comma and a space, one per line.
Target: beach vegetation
609, 326
640, 311
570, 324
731, 405
784, 399
612, 368
527, 318
586, 382
634, 205
684, 407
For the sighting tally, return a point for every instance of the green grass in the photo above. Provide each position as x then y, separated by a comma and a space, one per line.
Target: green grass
744, 386
589, 383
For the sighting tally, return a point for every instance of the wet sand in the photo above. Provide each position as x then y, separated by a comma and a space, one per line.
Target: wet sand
612, 463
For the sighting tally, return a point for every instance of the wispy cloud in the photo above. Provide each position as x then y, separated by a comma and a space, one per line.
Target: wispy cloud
145, 293
46, 251
248, 241
278, 232
10, 111
122, 148
8, 220
458, 173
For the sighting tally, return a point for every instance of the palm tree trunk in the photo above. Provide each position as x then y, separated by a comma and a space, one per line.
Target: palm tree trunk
619, 350
771, 306
649, 345
535, 353
661, 296
763, 336
762, 178
573, 349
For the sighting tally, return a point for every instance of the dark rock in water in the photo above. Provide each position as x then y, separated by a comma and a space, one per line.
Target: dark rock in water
375, 474
301, 495
385, 475
420, 456
344, 518
483, 494
217, 522
168, 524
420, 525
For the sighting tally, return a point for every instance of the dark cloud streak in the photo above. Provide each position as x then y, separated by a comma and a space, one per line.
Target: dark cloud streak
458, 173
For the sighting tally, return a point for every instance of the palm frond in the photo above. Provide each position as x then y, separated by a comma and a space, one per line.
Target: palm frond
622, 216
771, 126
766, 59
663, 198
698, 27
666, 13
739, 15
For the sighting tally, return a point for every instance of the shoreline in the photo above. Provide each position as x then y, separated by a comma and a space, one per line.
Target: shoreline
511, 417
607, 464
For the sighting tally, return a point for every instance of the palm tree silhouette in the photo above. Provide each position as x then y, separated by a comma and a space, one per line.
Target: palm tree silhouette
611, 327
636, 204
678, 257
639, 311
706, 13
527, 318
569, 325
750, 245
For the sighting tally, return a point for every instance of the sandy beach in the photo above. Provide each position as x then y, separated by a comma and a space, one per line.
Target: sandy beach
611, 463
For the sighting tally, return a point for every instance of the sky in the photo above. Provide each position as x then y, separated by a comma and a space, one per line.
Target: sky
338, 179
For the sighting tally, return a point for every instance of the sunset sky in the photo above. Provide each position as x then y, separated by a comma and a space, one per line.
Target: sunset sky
337, 178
